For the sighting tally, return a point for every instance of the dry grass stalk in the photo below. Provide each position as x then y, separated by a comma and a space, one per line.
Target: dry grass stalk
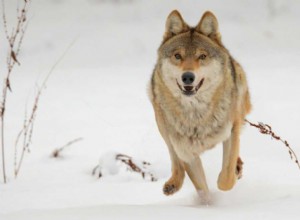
27, 130
15, 40
267, 129
56, 152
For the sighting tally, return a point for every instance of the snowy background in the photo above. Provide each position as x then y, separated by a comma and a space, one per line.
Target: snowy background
98, 92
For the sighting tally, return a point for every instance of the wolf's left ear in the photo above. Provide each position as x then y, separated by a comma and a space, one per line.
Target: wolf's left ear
175, 25
208, 26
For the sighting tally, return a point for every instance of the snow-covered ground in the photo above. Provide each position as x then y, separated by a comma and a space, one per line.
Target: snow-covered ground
98, 92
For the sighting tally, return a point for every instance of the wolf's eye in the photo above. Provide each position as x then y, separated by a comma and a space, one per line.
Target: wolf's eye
178, 56
202, 57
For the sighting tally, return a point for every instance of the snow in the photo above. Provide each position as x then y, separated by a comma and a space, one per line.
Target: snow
99, 92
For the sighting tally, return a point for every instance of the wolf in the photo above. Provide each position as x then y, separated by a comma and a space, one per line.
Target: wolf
200, 98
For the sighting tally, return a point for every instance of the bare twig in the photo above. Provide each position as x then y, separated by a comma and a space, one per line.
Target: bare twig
27, 131
17, 140
267, 129
56, 152
14, 40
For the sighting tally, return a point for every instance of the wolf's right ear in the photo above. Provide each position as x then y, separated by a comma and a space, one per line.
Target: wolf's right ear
175, 25
209, 26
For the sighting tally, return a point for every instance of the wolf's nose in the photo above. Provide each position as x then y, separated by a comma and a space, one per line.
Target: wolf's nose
188, 78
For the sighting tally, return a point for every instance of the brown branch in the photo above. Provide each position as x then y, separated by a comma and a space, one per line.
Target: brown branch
56, 152
131, 165
267, 129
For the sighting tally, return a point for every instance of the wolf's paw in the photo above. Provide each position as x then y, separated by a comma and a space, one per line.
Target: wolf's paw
205, 198
172, 186
169, 189
226, 181
239, 168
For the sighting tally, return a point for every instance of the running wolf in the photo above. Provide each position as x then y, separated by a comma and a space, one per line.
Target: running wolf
200, 98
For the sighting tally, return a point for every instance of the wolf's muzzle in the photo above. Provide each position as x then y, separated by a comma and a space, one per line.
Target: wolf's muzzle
190, 90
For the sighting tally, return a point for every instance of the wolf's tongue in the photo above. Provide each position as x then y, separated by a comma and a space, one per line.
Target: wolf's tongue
188, 88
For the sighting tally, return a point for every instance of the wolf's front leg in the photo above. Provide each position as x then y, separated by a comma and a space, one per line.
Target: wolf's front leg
175, 182
196, 173
232, 164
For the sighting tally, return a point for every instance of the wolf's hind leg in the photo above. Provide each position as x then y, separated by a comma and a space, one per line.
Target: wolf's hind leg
196, 173
232, 164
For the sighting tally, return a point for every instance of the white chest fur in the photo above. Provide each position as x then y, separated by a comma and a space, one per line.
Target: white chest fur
197, 124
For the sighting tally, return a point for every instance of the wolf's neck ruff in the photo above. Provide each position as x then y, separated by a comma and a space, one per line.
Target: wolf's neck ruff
196, 117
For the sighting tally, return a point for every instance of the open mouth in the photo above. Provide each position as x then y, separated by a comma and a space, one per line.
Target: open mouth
190, 90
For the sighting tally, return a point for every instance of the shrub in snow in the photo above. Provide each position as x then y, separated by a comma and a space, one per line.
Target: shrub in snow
112, 163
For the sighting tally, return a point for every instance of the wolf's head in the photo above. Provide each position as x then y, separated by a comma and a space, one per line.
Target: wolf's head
192, 59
